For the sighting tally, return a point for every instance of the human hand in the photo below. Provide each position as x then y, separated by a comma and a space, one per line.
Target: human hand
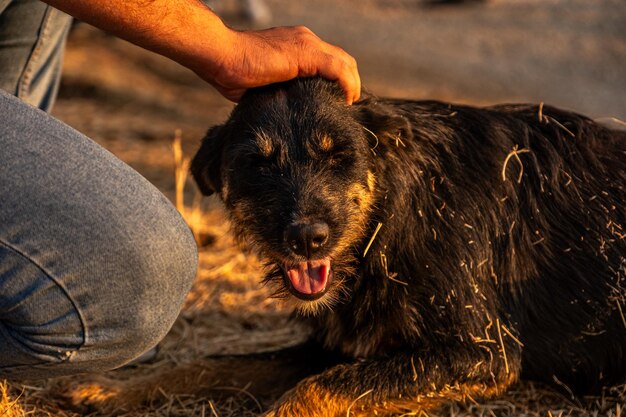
232, 61
255, 58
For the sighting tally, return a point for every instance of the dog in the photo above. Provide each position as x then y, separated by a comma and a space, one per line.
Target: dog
441, 251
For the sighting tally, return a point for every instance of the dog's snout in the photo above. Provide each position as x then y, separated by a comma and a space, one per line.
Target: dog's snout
307, 239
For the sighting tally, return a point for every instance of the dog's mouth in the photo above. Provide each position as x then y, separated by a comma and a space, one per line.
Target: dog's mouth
308, 280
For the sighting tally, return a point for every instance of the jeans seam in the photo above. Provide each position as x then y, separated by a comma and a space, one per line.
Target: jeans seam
50, 276
4, 330
26, 77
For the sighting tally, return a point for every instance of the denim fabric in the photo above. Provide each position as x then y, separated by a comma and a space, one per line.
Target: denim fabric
94, 261
32, 39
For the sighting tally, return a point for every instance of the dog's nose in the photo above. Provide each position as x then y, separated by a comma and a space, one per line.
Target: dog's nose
306, 239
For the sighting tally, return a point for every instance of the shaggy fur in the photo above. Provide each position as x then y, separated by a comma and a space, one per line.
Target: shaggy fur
460, 248
499, 249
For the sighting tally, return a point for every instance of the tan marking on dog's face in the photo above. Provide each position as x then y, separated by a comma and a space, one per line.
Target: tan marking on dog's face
371, 181
265, 145
360, 198
326, 143
362, 195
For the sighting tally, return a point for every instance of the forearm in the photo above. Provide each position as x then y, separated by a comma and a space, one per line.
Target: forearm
190, 33
184, 30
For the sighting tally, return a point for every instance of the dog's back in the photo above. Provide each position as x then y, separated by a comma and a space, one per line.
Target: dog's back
516, 209
442, 250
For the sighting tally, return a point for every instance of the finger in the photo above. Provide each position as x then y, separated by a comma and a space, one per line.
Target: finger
354, 72
232, 94
317, 57
347, 74
342, 68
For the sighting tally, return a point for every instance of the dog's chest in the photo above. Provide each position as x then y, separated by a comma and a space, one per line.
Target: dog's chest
358, 331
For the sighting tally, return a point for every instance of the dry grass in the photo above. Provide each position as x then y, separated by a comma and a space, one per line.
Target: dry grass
227, 311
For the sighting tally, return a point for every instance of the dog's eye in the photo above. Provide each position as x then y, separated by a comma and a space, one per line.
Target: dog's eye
341, 152
256, 163
253, 160
340, 159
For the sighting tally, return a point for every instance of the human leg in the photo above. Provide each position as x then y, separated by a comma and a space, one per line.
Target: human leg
94, 261
32, 39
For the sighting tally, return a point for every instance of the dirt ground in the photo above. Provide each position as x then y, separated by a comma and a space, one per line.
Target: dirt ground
570, 54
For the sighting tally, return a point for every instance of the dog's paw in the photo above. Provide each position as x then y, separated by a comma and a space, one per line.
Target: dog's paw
94, 393
309, 399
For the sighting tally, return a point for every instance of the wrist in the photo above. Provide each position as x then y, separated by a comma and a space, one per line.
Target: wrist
205, 45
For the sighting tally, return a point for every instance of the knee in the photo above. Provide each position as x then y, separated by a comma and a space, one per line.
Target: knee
123, 307
158, 271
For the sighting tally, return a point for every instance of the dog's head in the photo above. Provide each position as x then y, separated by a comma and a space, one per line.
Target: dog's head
293, 167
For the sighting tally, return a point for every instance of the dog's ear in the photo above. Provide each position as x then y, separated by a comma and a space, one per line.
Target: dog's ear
381, 121
206, 165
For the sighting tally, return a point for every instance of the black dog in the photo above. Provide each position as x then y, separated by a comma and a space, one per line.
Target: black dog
441, 251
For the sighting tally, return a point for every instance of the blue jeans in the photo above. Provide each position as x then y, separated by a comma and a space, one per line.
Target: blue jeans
32, 40
94, 261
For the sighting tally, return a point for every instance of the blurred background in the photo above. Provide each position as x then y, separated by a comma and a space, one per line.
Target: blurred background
568, 53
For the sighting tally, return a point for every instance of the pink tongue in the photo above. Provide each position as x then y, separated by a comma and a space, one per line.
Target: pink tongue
310, 277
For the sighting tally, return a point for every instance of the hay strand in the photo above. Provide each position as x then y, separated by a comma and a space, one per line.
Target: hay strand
181, 168
375, 137
514, 153
560, 125
506, 361
357, 399
621, 312
367, 248
507, 331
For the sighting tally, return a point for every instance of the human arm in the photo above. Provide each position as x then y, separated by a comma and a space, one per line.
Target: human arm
189, 33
